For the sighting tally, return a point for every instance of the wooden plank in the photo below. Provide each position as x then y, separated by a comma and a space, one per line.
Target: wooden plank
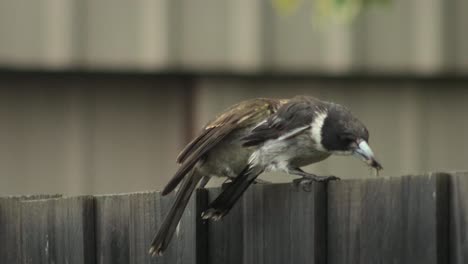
9, 230
74, 230
274, 223
225, 237
10, 226
111, 223
37, 240
388, 220
126, 224
57, 230
458, 218
284, 224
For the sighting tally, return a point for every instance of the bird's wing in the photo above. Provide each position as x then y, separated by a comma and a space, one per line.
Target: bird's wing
290, 120
238, 116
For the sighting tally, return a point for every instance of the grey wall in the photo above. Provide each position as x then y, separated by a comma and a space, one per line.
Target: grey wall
65, 135
424, 36
100, 133
111, 133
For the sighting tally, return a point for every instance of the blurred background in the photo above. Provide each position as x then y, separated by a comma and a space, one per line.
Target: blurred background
100, 96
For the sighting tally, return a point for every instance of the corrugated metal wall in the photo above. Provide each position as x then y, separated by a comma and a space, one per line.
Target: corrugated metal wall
244, 35
100, 134
88, 133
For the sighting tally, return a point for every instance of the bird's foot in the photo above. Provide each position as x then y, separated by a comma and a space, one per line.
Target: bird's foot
226, 184
259, 181
212, 214
306, 181
155, 251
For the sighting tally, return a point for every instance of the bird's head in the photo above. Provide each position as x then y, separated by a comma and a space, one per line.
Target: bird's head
343, 134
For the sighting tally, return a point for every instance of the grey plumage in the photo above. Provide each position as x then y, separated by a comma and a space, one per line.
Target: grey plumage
216, 151
262, 135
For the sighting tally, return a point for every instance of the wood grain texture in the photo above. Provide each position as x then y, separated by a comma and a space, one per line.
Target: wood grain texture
388, 220
10, 226
274, 223
410, 219
126, 224
74, 230
57, 230
225, 237
458, 218
9, 230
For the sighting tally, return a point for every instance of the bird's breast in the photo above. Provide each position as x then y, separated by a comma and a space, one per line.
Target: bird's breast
279, 155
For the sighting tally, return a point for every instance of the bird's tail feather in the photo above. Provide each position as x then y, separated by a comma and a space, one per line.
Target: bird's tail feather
167, 228
226, 200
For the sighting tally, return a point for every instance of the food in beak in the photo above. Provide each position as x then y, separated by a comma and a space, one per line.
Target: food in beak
364, 152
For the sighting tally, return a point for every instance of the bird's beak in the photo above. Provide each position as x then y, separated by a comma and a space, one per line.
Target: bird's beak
364, 152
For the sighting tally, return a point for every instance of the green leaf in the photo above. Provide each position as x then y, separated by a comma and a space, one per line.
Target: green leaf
286, 7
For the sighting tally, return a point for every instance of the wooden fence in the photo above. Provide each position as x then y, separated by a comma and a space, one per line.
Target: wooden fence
410, 219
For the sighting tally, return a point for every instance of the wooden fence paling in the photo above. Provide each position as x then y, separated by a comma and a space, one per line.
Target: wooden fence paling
125, 226
274, 223
10, 226
284, 224
392, 220
29, 224
74, 230
226, 237
411, 219
57, 230
458, 218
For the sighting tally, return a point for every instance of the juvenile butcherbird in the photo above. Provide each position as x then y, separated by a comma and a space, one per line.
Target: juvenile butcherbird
261, 135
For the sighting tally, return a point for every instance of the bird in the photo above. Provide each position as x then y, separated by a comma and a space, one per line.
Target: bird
256, 136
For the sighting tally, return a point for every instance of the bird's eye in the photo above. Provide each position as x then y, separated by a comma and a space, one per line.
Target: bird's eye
346, 139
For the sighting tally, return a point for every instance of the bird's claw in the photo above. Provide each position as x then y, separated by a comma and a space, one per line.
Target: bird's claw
327, 178
225, 184
155, 251
260, 181
213, 214
306, 182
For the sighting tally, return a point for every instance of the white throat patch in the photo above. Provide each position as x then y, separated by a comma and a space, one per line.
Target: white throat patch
316, 129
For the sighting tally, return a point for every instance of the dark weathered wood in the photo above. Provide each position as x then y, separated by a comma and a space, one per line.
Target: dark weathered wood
273, 223
9, 230
388, 220
285, 224
111, 228
225, 237
201, 228
459, 218
57, 230
411, 219
37, 236
10, 226
74, 230
126, 224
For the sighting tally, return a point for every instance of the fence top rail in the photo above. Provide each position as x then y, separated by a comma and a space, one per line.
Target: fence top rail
407, 219
25, 197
